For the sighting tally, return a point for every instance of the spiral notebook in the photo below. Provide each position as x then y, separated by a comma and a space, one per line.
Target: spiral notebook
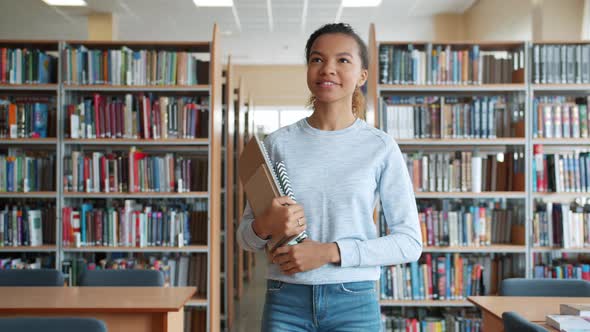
264, 180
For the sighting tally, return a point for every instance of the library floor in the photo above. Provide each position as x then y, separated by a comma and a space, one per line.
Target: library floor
249, 308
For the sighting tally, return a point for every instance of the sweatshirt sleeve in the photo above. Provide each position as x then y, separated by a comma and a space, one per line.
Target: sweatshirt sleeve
404, 242
247, 238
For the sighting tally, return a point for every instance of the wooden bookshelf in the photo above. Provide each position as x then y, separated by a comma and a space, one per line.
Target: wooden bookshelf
569, 196
518, 88
560, 250
241, 199
36, 194
562, 141
138, 142
43, 248
494, 248
425, 303
184, 249
29, 141
197, 302
228, 234
461, 141
480, 195
29, 87
209, 146
138, 88
561, 87
155, 195
385, 88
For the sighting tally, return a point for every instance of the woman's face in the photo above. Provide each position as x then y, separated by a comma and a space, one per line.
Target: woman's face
335, 68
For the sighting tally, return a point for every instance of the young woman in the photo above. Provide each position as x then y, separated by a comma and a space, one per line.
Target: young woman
338, 166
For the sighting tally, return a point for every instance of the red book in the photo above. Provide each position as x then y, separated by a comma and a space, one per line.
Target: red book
429, 271
67, 225
146, 117
119, 120
137, 156
97, 101
103, 173
3, 65
86, 174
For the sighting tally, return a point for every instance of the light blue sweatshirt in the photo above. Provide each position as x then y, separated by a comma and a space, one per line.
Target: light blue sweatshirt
337, 176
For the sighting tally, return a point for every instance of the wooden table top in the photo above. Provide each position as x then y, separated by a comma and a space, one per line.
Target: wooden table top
533, 309
94, 299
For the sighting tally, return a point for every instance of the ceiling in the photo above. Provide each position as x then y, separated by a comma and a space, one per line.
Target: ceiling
254, 31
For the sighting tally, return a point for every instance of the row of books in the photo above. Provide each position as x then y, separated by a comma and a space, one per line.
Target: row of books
27, 66
144, 116
449, 117
28, 225
463, 171
179, 270
130, 224
560, 265
560, 117
561, 64
448, 323
560, 172
561, 225
447, 276
134, 171
27, 262
566, 271
467, 225
133, 67
27, 117
440, 64
34, 171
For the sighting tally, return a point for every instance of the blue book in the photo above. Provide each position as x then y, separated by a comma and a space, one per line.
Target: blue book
40, 123
86, 207
9, 175
414, 280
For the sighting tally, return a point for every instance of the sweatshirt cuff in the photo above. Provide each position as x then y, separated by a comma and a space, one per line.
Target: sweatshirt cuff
252, 239
349, 253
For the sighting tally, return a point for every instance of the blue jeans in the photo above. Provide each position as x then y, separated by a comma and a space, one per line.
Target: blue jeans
345, 307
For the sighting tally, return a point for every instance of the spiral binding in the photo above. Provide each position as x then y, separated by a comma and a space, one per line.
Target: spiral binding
284, 179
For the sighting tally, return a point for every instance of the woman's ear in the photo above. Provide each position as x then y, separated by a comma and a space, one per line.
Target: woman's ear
363, 79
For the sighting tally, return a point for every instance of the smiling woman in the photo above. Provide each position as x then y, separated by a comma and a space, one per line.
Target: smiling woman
338, 166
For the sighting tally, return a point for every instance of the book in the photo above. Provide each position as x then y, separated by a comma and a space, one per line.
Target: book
575, 309
264, 181
568, 323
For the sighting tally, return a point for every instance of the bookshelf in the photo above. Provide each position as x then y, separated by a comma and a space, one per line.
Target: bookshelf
559, 85
249, 258
31, 89
240, 141
460, 84
201, 142
229, 214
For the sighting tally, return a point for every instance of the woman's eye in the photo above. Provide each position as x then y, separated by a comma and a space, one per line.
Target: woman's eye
344, 60
315, 60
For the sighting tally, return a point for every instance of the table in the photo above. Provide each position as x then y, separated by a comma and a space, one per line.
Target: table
129, 309
533, 309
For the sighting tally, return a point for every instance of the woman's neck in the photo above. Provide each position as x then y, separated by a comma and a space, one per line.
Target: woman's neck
328, 117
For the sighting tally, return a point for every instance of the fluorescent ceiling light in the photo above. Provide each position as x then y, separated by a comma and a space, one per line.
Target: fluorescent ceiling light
65, 2
361, 3
214, 3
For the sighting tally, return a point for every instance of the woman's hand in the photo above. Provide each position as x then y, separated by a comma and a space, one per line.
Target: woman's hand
283, 218
305, 256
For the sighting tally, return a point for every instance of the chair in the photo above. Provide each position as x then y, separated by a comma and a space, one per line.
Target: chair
122, 278
545, 287
34, 277
514, 322
43, 324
